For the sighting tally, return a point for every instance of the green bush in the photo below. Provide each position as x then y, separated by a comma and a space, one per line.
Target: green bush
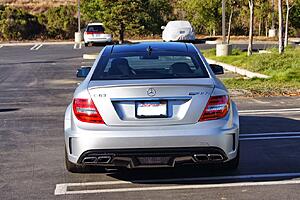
60, 22
16, 24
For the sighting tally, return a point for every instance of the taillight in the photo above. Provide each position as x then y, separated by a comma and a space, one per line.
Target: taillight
93, 32
86, 111
216, 108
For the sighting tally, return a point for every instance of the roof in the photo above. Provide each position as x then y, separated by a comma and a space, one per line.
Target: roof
155, 46
179, 23
95, 23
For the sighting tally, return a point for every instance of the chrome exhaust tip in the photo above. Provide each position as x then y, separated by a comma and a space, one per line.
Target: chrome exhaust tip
215, 157
201, 157
104, 159
89, 160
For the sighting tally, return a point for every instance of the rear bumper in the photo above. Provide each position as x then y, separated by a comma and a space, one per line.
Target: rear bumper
97, 40
81, 143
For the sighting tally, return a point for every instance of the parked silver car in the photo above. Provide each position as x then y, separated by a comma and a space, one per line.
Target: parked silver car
151, 105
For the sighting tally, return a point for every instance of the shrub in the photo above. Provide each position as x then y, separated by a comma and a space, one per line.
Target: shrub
16, 24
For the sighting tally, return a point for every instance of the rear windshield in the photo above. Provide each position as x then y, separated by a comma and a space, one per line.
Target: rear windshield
95, 28
149, 67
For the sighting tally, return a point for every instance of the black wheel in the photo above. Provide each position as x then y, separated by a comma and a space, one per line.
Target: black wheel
86, 44
234, 163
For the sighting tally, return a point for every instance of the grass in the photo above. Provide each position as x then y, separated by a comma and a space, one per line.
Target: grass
284, 71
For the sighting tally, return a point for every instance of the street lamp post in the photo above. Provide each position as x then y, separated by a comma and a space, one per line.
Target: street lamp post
78, 14
223, 22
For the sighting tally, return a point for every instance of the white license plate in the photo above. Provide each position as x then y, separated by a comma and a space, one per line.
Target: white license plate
151, 109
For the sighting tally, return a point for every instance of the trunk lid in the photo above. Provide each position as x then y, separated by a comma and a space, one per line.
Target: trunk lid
118, 101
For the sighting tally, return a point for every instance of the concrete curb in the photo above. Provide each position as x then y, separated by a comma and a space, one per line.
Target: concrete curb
238, 70
90, 56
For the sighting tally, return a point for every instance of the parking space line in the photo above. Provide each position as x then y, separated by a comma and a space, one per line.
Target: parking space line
77, 46
62, 189
269, 138
1, 46
270, 111
269, 134
36, 47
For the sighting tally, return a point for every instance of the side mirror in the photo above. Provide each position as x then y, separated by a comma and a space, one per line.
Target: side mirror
83, 72
162, 27
217, 69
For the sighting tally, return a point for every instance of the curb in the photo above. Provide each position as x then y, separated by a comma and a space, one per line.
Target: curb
235, 69
90, 56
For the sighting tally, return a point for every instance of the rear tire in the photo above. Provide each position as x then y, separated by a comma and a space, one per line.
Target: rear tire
86, 44
234, 163
72, 167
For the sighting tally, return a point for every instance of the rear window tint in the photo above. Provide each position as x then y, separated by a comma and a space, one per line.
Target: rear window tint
121, 67
95, 28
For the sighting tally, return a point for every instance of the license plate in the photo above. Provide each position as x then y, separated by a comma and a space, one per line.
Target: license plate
154, 160
97, 35
148, 109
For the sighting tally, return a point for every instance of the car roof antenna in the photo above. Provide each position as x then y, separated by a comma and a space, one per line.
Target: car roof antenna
149, 50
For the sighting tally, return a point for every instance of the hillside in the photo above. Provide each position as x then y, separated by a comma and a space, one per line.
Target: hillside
36, 6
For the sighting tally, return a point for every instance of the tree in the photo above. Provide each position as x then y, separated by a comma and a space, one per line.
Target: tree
156, 13
16, 24
280, 28
60, 22
233, 5
288, 8
251, 7
205, 15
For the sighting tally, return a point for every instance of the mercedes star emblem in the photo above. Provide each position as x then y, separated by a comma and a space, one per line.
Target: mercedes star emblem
151, 92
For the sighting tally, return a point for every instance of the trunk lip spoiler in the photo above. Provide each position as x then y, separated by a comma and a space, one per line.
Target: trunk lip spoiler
150, 85
152, 98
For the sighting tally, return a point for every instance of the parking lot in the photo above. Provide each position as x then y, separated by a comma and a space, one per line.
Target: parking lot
36, 85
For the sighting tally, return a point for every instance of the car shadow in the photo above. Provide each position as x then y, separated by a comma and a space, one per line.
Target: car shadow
267, 124
257, 158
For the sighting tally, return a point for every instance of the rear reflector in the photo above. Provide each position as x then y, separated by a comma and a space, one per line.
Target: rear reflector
86, 111
216, 108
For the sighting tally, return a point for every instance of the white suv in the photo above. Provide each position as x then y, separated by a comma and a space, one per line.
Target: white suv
94, 33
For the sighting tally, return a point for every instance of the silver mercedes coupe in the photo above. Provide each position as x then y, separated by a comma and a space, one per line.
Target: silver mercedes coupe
151, 105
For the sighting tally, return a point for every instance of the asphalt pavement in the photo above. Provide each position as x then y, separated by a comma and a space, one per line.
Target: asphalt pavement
36, 85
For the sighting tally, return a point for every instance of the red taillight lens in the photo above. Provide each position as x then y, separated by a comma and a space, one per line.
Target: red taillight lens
86, 111
216, 108
93, 32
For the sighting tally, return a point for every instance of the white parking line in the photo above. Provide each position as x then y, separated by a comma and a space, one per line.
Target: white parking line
77, 46
270, 111
62, 189
36, 47
269, 138
269, 134
1, 46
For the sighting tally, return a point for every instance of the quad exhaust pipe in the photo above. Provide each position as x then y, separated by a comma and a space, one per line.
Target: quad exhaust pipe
97, 160
208, 157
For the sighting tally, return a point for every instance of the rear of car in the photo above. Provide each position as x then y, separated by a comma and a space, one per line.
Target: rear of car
178, 31
95, 33
151, 105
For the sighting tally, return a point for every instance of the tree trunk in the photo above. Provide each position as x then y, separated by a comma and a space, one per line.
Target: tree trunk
121, 33
259, 27
229, 26
251, 6
266, 27
280, 29
286, 37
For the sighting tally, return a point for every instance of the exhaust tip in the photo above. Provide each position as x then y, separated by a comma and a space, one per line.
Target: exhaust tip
201, 157
89, 160
104, 159
215, 157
